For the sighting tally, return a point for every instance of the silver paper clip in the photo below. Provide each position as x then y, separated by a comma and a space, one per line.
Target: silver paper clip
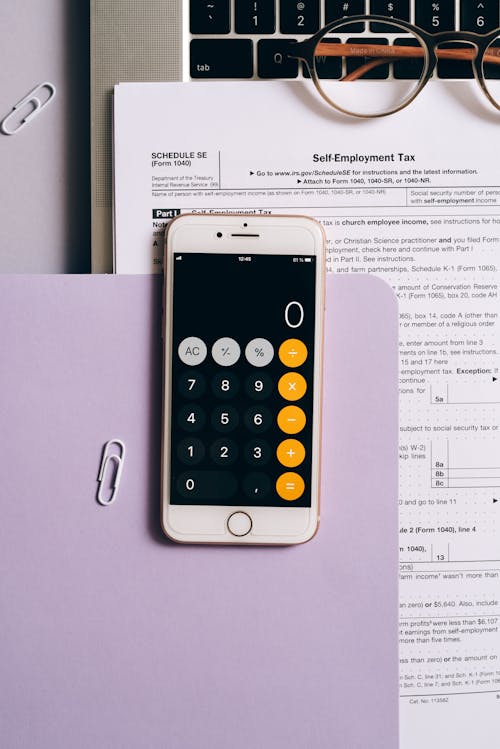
37, 104
118, 460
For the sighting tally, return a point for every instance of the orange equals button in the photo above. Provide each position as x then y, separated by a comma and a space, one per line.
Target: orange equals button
290, 486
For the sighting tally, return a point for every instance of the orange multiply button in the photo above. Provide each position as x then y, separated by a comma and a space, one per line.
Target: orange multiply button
291, 419
292, 352
290, 486
292, 386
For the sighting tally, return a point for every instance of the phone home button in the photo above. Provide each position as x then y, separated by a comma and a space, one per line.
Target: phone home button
239, 523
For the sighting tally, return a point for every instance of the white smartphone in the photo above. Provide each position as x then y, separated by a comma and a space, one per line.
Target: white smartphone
243, 339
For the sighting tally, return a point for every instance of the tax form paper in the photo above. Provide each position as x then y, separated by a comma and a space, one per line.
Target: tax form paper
415, 199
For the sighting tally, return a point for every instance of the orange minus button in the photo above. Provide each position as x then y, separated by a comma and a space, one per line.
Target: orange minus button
291, 419
290, 486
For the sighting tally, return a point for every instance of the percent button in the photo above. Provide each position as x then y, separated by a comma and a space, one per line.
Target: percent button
259, 352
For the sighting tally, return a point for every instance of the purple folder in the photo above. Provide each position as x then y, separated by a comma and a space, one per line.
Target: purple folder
112, 636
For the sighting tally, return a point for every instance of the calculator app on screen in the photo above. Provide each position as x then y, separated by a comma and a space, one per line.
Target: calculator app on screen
242, 379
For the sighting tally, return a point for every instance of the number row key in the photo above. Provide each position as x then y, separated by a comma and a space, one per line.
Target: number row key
254, 16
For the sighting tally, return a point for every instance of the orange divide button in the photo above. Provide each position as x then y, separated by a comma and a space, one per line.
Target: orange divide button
292, 352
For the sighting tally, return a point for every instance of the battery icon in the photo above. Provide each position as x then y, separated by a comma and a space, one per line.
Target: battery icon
307, 260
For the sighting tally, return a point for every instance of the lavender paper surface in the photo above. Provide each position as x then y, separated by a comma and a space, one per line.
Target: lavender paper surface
111, 636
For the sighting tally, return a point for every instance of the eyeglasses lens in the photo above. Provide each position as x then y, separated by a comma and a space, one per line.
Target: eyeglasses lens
491, 70
349, 69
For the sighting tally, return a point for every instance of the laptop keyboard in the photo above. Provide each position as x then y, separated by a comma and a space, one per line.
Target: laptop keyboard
249, 38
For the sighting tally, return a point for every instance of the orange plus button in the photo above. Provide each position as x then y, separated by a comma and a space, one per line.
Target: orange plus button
292, 386
290, 453
290, 486
291, 419
292, 352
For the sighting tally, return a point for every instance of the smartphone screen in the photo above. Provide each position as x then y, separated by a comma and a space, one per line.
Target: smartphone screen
242, 384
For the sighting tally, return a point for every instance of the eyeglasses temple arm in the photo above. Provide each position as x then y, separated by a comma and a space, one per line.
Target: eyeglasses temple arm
395, 52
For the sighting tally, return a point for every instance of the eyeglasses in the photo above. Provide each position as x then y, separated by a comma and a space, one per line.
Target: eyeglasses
372, 76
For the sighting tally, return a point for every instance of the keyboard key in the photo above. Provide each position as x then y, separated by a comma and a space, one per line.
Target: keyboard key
221, 58
408, 68
438, 15
397, 9
337, 9
480, 17
254, 17
209, 16
299, 18
326, 66
380, 72
454, 68
272, 60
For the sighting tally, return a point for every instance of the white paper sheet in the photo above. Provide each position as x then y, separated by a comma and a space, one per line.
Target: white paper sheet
415, 198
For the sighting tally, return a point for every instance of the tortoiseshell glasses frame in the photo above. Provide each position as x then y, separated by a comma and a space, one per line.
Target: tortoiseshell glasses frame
479, 50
